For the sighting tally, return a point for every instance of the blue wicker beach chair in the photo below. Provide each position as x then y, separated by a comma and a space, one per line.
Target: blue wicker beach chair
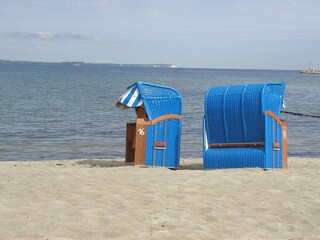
241, 127
154, 139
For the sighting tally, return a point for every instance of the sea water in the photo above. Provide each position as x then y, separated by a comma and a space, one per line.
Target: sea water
67, 111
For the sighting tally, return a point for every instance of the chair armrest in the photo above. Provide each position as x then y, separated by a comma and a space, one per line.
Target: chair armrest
276, 155
164, 117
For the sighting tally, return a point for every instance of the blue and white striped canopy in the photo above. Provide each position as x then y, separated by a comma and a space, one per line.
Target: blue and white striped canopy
130, 99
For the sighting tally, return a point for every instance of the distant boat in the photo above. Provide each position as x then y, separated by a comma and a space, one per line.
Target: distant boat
311, 71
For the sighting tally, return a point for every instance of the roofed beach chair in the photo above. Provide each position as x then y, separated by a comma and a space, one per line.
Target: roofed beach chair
242, 129
154, 139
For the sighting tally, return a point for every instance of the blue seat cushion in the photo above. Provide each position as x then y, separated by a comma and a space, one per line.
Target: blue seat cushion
234, 158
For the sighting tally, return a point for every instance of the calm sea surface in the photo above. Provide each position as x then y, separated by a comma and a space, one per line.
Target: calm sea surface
62, 111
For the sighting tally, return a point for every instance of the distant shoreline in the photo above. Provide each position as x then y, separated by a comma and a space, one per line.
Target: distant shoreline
78, 64
139, 65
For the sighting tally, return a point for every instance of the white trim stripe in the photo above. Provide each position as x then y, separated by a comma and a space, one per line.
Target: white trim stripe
133, 98
130, 99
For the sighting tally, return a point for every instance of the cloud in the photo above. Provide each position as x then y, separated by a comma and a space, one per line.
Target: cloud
45, 35
155, 13
48, 36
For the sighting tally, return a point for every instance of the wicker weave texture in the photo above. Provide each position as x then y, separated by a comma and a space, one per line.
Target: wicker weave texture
236, 114
169, 132
159, 100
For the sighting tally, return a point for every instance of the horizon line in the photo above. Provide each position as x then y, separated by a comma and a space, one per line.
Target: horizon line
156, 65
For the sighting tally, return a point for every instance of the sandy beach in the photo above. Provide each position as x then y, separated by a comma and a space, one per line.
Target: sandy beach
106, 199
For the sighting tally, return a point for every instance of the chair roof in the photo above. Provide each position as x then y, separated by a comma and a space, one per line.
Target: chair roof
236, 113
157, 100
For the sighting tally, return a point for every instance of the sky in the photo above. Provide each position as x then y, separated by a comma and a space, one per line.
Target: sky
243, 34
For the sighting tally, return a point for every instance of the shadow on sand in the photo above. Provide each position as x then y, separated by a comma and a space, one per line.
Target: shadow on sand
122, 163
191, 166
105, 163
